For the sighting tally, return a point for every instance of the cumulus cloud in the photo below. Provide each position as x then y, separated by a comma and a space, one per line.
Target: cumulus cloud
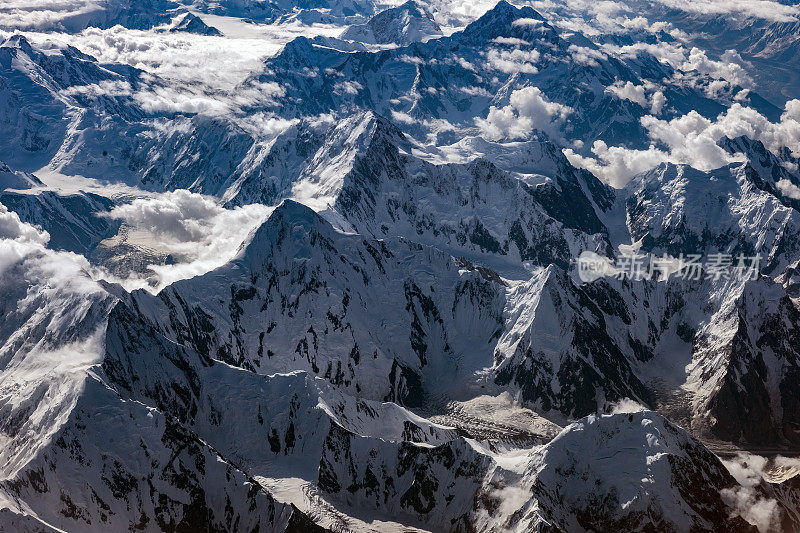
348, 87
103, 88
258, 93
616, 164
457, 13
624, 406
730, 68
26, 261
692, 139
44, 14
183, 73
175, 100
726, 73
657, 102
185, 57
526, 22
757, 510
199, 234
511, 41
512, 61
528, 109
476, 91
403, 118
629, 91
673, 54
267, 126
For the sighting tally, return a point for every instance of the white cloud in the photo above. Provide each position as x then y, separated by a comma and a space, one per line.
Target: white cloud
528, 109
629, 91
457, 13
616, 164
586, 56
750, 471
512, 61
754, 508
403, 118
475, 91
103, 88
625, 406
175, 100
657, 102
405, 58
348, 87
766, 9
526, 22
730, 68
673, 54
789, 189
46, 14
11, 227
183, 72
692, 139
198, 233
266, 126
465, 64
258, 93
511, 41
25, 261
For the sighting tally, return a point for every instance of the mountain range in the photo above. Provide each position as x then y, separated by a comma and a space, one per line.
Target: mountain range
342, 292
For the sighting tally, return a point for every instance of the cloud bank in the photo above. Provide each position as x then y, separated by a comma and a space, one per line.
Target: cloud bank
692, 139
198, 234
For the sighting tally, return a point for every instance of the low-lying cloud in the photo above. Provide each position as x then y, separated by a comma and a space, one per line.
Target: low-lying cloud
199, 234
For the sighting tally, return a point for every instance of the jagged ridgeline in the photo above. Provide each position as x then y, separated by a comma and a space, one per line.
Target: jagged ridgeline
339, 293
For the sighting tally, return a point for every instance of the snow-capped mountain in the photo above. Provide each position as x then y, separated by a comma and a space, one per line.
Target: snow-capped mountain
310, 11
405, 24
363, 178
318, 266
464, 76
677, 209
11, 179
191, 23
147, 389
769, 40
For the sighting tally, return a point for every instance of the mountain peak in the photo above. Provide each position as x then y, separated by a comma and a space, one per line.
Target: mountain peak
288, 215
363, 129
17, 41
402, 25
501, 21
191, 23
